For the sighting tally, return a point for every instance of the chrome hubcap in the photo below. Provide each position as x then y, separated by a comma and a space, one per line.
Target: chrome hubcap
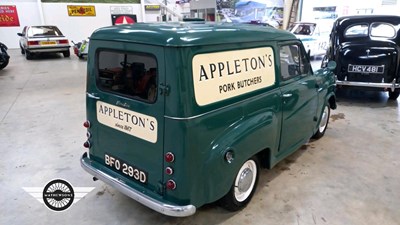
324, 119
245, 180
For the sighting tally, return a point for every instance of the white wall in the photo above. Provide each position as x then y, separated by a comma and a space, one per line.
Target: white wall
28, 13
76, 28
153, 16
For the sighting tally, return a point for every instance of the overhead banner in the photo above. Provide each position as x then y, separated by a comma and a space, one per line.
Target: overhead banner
8, 16
251, 11
81, 10
123, 19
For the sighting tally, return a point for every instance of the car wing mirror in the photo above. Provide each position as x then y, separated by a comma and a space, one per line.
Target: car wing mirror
20, 34
309, 53
331, 65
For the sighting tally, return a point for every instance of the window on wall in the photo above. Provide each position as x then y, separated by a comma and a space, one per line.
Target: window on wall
132, 75
293, 61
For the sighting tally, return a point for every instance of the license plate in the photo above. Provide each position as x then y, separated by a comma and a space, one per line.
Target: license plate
125, 168
48, 42
366, 69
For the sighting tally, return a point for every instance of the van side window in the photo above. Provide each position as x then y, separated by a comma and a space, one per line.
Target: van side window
130, 74
293, 61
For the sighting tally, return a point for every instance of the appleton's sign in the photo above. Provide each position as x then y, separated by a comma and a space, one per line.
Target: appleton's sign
81, 10
130, 122
8, 16
223, 75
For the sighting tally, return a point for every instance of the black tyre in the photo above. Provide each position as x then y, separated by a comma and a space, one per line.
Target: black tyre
393, 95
243, 187
22, 50
28, 55
4, 64
323, 122
66, 53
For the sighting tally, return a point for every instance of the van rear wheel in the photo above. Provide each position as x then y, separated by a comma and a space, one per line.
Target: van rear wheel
243, 188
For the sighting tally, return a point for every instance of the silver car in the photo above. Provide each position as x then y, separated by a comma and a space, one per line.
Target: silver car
39, 39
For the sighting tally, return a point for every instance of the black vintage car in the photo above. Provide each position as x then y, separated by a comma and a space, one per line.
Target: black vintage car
367, 52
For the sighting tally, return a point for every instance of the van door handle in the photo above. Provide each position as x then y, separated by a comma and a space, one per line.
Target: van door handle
287, 95
92, 95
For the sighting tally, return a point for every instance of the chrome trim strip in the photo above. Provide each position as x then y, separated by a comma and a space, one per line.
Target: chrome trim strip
92, 95
392, 85
166, 209
214, 110
186, 118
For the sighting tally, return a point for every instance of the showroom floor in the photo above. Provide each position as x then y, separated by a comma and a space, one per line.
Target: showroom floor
350, 176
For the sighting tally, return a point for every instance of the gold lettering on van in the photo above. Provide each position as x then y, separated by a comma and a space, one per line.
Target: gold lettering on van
222, 75
127, 121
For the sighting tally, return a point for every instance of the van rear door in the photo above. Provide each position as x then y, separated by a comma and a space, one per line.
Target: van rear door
125, 111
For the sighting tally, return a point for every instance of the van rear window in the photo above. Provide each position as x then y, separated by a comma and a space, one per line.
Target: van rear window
132, 75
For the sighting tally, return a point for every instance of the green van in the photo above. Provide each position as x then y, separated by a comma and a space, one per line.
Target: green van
184, 114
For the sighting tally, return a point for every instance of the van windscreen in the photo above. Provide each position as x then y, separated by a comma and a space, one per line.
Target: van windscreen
132, 75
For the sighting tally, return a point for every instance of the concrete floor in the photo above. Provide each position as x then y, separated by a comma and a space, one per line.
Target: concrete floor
350, 176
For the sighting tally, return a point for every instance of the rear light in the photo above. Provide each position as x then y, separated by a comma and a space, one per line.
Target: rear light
171, 185
169, 170
86, 144
169, 157
88, 134
86, 124
63, 42
33, 43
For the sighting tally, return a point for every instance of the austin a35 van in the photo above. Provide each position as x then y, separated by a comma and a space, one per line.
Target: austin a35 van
184, 114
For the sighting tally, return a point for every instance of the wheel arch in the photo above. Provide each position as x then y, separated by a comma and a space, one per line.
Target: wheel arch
332, 101
248, 138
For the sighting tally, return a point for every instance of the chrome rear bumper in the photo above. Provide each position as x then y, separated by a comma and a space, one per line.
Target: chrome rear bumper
48, 49
392, 86
166, 209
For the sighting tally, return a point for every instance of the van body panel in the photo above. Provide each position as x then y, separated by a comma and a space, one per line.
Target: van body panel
181, 102
207, 138
192, 108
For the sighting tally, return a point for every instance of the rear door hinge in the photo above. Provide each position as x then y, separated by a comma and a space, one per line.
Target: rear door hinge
164, 89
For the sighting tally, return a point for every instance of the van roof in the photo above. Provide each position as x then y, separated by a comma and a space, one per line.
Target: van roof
190, 33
